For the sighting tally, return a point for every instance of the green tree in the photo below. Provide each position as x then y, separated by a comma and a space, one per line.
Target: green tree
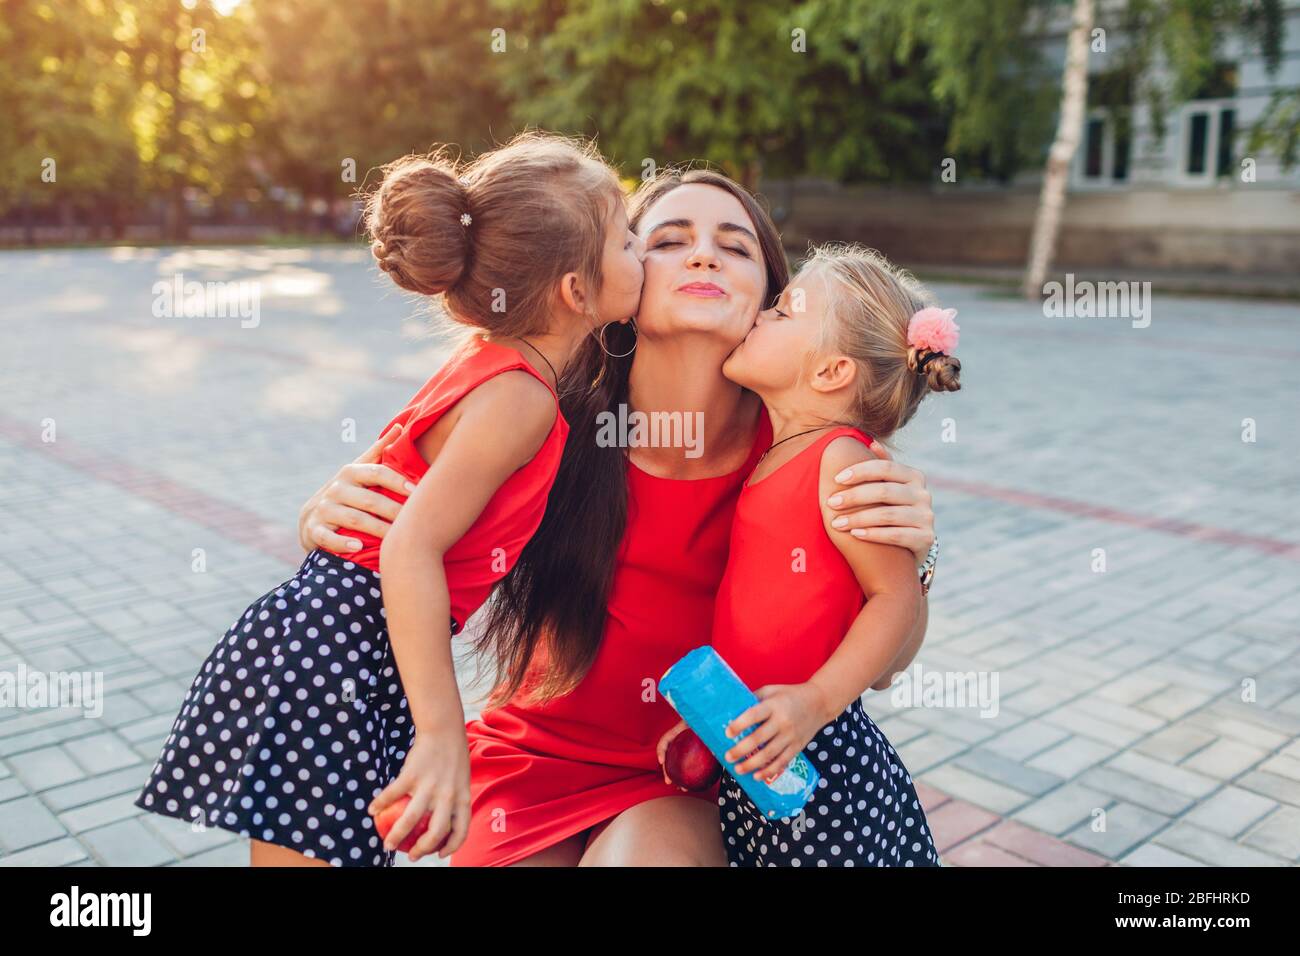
200, 97
370, 80
817, 88
987, 77
64, 106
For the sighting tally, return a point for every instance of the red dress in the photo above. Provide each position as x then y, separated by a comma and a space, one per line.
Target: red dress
489, 549
541, 773
788, 596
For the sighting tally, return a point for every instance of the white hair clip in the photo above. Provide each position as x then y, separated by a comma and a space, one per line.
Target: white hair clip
466, 219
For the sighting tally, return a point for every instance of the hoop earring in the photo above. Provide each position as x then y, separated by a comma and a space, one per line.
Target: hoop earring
600, 338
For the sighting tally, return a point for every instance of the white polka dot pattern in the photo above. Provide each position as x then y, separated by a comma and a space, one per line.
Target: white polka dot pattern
865, 811
295, 721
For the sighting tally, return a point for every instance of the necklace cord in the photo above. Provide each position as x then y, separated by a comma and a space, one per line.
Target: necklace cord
808, 432
544, 359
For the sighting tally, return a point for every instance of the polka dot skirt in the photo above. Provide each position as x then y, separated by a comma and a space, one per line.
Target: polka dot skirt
865, 811
295, 721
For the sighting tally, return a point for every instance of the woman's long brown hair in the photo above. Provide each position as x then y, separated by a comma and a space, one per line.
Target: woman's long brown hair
555, 596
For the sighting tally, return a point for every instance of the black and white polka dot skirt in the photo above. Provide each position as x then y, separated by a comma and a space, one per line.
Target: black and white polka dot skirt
865, 811
295, 721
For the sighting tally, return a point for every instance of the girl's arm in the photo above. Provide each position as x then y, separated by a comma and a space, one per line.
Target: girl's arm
908, 653
787, 716
498, 428
887, 625
886, 502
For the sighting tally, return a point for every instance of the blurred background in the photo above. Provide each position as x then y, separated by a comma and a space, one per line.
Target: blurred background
918, 126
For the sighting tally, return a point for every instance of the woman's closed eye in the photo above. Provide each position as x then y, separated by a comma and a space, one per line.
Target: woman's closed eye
738, 250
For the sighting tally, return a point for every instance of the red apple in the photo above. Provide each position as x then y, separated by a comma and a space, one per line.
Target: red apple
392, 813
689, 763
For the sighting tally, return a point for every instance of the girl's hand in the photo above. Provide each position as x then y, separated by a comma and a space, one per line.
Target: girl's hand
344, 502
436, 775
888, 503
788, 716
662, 749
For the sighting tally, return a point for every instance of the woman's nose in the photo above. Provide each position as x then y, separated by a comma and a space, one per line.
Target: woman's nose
703, 258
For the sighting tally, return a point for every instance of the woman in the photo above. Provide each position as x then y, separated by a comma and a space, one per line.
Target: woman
619, 581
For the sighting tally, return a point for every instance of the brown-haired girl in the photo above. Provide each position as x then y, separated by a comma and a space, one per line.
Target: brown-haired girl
809, 618
324, 704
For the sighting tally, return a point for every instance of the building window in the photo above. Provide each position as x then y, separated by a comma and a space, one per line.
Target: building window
1209, 126
1095, 144
1197, 138
1227, 128
1119, 169
1104, 158
1208, 133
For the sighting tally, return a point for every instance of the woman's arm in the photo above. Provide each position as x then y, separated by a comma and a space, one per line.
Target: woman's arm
344, 503
906, 518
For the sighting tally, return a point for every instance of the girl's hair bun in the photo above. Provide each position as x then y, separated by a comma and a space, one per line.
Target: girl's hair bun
942, 372
504, 227
414, 223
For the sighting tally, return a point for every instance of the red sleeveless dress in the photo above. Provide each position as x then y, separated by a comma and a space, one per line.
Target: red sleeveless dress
539, 774
489, 549
786, 601
788, 597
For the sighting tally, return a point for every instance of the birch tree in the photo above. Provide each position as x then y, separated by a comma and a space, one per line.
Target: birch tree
1074, 95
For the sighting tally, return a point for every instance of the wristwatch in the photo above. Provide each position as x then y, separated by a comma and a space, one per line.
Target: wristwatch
927, 566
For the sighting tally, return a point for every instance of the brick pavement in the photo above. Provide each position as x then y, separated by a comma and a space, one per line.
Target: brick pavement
1121, 734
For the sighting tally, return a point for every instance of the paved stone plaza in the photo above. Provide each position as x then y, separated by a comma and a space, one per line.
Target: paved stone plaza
1147, 713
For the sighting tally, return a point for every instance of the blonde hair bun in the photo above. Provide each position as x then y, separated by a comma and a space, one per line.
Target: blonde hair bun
942, 372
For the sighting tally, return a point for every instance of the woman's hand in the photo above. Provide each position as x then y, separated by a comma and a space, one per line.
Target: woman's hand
345, 502
662, 749
436, 776
885, 502
788, 716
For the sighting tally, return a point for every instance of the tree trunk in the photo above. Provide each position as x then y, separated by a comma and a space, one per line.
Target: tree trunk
1047, 221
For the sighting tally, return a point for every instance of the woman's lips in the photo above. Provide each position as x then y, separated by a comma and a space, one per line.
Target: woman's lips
705, 290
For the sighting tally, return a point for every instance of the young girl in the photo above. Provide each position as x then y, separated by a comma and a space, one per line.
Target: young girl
298, 718
843, 359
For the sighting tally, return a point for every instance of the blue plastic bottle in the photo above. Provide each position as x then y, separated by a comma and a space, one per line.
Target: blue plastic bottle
708, 695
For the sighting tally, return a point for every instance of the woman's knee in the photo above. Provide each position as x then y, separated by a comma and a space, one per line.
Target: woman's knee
565, 853
666, 831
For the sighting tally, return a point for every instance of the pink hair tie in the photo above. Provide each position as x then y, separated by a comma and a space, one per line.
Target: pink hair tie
933, 330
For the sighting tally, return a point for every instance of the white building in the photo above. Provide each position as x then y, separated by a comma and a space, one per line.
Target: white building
1194, 200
